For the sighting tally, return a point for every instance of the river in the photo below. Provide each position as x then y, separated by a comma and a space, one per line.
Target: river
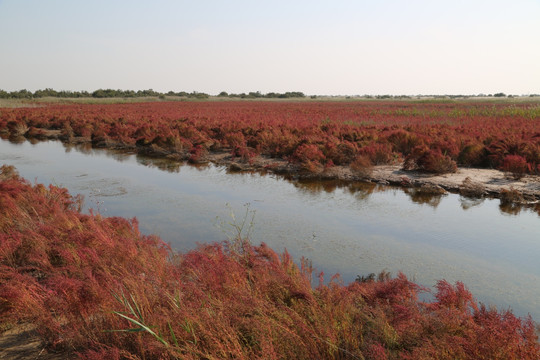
350, 229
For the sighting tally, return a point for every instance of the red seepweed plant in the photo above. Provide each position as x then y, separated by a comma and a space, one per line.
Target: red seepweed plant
311, 134
96, 288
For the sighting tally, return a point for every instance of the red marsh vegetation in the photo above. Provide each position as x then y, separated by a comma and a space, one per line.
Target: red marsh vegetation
433, 137
95, 288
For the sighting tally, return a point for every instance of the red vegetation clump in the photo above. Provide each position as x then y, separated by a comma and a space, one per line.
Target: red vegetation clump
473, 155
378, 153
429, 160
515, 164
309, 156
362, 166
469, 134
96, 288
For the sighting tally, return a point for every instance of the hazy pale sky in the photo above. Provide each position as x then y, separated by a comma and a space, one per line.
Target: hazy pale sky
318, 47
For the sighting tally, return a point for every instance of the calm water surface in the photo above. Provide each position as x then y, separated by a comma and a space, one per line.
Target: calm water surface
347, 229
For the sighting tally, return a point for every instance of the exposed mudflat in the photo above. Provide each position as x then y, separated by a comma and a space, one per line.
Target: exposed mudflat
465, 179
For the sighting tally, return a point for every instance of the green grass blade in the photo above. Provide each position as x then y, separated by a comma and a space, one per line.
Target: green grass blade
143, 326
172, 334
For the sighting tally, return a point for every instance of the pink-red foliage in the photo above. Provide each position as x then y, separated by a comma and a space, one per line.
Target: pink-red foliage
515, 164
473, 134
65, 272
429, 160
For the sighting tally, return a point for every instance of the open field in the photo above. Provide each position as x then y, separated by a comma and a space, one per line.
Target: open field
94, 287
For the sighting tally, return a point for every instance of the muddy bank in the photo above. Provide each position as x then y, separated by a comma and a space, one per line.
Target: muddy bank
471, 182
467, 181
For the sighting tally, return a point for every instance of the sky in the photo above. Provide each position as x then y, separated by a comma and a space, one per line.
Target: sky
334, 47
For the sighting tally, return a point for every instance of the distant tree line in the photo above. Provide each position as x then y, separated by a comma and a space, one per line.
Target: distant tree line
259, 95
449, 96
25, 94
111, 93
100, 93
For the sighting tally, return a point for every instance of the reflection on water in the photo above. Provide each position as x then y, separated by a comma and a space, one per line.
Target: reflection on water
424, 198
470, 202
163, 164
510, 208
360, 190
350, 228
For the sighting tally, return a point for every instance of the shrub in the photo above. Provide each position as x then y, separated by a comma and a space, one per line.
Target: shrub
403, 141
245, 153
235, 140
17, 128
515, 164
341, 154
197, 154
308, 152
429, 160
379, 154
362, 166
310, 157
473, 155
436, 162
511, 196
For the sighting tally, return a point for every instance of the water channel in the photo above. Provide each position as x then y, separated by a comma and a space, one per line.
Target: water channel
351, 229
